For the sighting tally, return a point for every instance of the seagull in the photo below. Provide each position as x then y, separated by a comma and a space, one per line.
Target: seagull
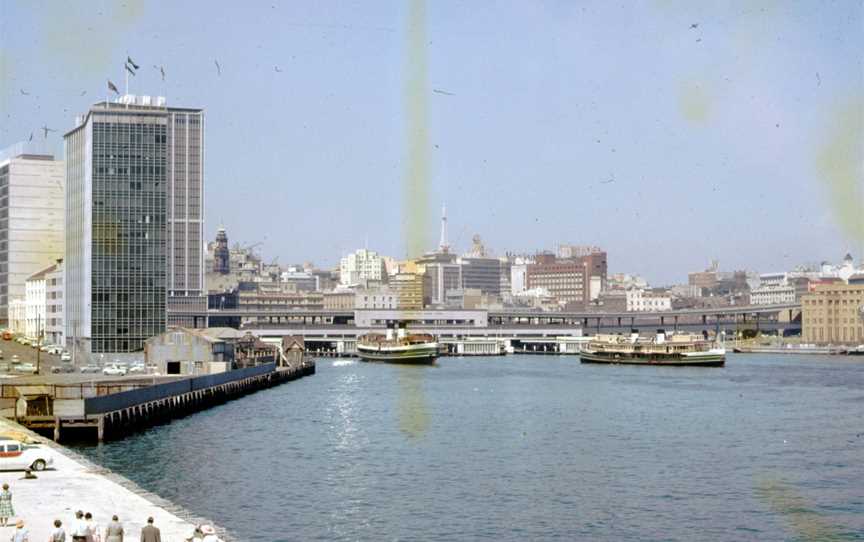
83, 92
818, 80
444, 92
694, 25
31, 137
161, 70
277, 69
24, 92
45, 129
218, 67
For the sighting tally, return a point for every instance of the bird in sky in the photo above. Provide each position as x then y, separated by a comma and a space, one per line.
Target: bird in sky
45, 130
24, 92
132, 62
113, 87
161, 70
277, 69
31, 137
83, 92
444, 92
694, 25
218, 67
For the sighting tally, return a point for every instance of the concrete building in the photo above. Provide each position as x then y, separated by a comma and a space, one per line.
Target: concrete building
409, 290
31, 218
303, 281
18, 315
439, 279
55, 332
362, 265
481, 273
773, 288
339, 299
36, 303
832, 313
381, 298
639, 300
134, 217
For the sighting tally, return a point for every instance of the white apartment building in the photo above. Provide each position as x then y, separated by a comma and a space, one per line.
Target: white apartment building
35, 303
639, 300
54, 304
774, 288
362, 265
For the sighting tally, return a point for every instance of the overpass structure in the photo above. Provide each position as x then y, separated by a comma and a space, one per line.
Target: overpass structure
496, 331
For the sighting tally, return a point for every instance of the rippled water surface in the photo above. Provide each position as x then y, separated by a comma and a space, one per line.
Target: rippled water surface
524, 448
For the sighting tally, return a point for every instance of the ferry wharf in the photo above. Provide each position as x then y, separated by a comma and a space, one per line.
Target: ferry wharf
110, 408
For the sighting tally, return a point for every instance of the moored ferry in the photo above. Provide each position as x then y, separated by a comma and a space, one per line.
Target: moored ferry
674, 350
402, 348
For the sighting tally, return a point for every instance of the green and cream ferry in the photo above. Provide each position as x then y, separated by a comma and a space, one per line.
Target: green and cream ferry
674, 350
401, 348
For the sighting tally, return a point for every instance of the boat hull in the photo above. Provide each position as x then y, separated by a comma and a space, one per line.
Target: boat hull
707, 359
424, 354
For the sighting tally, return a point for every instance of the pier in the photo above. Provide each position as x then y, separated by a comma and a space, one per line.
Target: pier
113, 408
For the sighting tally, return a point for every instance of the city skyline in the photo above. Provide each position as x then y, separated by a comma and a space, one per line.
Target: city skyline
727, 138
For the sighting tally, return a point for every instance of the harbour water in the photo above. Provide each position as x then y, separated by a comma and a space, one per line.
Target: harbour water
523, 448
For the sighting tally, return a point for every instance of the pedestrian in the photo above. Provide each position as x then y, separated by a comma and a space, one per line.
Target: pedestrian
6, 510
149, 533
80, 532
58, 534
21, 534
114, 530
92, 528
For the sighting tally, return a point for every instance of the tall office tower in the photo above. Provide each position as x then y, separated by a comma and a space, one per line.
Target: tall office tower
134, 220
221, 253
31, 218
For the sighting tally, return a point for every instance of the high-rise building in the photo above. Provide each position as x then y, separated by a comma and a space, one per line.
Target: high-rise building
31, 218
573, 281
134, 216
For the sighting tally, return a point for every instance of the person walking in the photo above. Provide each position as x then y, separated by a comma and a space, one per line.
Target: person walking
92, 528
149, 533
21, 534
114, 530
80, 533
58, 534
6, 509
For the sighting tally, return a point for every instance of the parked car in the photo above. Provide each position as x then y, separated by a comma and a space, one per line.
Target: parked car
90, 369
63, 368
137, 368
54, 349
17, 456
15, 359
65, 356
25, 368
114, 370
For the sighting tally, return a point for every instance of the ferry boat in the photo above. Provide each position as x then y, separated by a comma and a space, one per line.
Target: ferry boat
684, 349
404, 347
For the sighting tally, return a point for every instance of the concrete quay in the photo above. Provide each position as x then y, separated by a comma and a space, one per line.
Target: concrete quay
76, 484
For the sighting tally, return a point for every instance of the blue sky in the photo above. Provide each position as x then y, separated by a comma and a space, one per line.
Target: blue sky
715, 138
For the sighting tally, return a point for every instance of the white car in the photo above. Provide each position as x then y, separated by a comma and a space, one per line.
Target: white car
114, 370
17, 456
65, 356
136, 369
25, 368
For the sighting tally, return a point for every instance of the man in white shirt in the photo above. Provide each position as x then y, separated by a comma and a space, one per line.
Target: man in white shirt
80, 532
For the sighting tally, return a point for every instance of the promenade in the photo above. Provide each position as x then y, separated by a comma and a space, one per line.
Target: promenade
76, 484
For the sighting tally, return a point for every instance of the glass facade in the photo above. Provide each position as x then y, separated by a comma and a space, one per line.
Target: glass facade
128, 276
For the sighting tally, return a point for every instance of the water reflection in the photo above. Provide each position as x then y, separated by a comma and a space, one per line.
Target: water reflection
413, 411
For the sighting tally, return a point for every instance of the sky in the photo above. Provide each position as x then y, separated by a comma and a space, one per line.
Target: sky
668, 132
